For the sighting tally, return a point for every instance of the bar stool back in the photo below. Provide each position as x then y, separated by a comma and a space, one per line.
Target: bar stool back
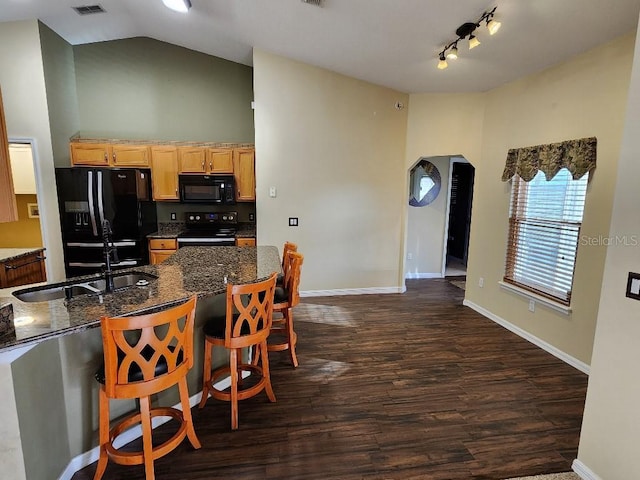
144, 355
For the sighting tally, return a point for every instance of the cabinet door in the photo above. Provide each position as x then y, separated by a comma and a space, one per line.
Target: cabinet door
8, 208
164, 173
244, 173
220, 160
245, 242
192, 159
159, 256
130, 155
94, 154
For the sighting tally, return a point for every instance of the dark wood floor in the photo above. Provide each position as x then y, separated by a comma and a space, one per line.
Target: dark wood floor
411, 386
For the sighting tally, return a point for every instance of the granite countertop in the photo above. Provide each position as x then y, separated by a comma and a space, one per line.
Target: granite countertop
173, 229
13, 253
191, 270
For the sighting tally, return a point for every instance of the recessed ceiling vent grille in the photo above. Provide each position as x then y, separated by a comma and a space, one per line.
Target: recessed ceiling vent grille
89, 9
317, 3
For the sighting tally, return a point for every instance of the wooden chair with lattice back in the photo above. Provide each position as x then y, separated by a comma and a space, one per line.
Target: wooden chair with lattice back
283, 336
288, 247
144, 355
245, 325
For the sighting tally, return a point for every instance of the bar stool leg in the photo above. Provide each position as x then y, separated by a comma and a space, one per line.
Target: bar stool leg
291, 336
104, 434
146, 438
233, 367
264, 352
206, 374
186, 413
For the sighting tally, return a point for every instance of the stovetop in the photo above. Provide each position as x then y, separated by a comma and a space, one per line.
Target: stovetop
210, 225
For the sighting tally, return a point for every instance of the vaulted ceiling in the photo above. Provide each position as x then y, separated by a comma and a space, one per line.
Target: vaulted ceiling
394, 43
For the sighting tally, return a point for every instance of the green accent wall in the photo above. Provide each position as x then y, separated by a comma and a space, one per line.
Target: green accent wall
142, 88
62, 98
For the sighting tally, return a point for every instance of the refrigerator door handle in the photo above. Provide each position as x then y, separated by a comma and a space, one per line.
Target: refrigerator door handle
92, 213
100, 199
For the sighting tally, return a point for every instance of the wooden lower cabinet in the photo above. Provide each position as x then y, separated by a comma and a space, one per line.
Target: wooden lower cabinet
23, 270
245, 242
161, 248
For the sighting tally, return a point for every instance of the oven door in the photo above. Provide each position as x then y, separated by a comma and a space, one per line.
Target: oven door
206, 242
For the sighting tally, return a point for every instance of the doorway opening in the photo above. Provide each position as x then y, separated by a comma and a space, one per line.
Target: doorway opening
26, 232
456, 244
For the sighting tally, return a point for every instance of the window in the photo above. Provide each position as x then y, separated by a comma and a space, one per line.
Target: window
544, 229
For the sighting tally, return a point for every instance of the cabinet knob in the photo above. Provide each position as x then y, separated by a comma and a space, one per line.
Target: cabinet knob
114, 156
210, 165
202, 165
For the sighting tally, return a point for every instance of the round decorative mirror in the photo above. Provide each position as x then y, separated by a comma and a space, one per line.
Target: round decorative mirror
424, 184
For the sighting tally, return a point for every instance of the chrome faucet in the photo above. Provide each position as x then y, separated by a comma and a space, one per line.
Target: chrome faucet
110, 254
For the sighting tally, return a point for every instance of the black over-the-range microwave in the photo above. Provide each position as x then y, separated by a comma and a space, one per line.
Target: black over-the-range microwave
207, 189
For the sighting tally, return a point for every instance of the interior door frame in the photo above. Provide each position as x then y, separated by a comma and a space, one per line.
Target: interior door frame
452, 161
42, 213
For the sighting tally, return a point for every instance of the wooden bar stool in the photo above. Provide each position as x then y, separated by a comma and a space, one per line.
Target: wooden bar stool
144, 355
287, 296
247, 322
288, 247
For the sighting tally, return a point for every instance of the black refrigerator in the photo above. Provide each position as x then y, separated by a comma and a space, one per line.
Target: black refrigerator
87, 197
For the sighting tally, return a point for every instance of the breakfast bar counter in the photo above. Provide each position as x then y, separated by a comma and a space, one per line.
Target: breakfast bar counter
202, 271
47, 365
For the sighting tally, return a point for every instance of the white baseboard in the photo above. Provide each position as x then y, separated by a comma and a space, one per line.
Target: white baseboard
574, 362
87, 458
583, 471
411, 275
352, 291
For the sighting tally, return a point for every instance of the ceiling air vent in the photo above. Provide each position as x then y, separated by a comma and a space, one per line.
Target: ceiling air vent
89, 9
317, 3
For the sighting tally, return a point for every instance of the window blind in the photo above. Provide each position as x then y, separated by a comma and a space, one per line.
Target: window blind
544, 229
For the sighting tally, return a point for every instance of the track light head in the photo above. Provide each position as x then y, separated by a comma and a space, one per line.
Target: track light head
493, 26
442, 64
473, 42
452, 54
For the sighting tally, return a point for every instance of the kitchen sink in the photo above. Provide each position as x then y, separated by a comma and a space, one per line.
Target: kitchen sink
88, 286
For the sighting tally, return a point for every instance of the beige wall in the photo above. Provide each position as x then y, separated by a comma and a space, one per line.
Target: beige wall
609, 439
27, 116
581, 98
333, 147
25, 232
441, 125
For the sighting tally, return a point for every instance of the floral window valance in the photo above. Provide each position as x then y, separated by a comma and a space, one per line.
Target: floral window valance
577, 156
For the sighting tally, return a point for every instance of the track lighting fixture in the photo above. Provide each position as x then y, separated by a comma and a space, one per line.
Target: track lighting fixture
466, 30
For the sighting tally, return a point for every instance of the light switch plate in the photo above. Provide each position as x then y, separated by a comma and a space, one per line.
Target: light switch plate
633, 286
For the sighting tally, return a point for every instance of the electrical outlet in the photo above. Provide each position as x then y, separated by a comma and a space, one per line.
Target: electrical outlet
173, 216
481, 282
252, 217
293, 221
409, 256
532, 305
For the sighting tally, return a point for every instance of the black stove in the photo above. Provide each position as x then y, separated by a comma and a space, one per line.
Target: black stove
209, 229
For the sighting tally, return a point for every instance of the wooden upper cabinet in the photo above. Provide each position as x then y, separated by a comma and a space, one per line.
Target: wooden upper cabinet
244, 173
192, 159
8, 207
130, 155
220, 160
91, 154
164, 173
206, 160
